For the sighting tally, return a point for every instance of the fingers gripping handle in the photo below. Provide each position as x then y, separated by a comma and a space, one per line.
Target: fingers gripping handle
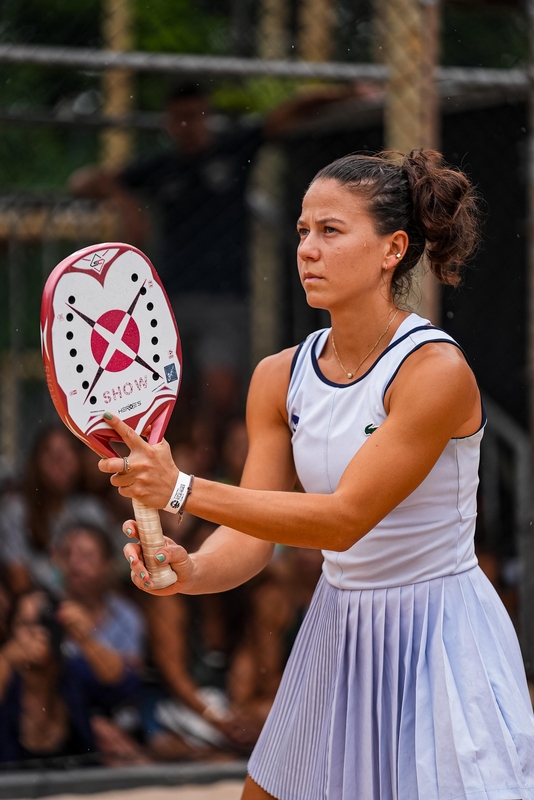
151, 538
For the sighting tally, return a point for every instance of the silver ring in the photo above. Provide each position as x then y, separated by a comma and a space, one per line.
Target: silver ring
126, 466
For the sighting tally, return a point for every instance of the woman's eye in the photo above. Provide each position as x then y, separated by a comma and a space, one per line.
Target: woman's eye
328, 229
302, 231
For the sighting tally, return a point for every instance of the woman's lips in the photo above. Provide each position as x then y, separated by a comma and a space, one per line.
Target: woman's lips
310, 277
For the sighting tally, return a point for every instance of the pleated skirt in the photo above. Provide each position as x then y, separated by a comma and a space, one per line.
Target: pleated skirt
411, 693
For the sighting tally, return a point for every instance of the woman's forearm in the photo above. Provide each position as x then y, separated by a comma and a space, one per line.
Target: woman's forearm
301, 520
227, 559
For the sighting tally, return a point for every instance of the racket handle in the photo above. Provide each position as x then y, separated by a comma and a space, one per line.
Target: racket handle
151, 538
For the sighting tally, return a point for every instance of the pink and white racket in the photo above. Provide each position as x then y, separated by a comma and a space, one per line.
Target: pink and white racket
110, 343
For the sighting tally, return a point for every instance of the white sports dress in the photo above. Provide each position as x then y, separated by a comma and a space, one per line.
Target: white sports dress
406, 680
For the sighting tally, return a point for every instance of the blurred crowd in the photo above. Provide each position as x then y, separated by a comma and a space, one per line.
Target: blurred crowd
92, 671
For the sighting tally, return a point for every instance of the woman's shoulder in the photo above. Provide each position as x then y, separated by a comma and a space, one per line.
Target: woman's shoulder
273, 372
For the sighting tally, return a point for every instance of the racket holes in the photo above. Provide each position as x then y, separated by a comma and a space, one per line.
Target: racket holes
142, 290
150, 306
79, 368
72, 299
92, 400
69, 318
70, 335
154, 340
85, 385
154, 323
135, 277
156, 359
73, 352
155, 376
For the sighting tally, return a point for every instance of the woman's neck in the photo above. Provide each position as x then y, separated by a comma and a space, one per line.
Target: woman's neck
360, 335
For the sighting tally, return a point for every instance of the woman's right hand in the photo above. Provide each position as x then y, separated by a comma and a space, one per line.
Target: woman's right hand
173, 554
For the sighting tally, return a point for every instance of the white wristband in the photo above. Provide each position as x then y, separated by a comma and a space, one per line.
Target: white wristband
180, 493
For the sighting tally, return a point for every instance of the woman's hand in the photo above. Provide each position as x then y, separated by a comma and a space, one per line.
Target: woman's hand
152, 473
173, 554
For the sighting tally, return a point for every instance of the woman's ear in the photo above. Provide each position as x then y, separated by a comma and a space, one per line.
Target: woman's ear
397, 246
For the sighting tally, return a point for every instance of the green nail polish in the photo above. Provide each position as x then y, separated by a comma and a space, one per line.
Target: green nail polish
142, 574
107, 415
147, 586
131, 558
160, 557
129, 531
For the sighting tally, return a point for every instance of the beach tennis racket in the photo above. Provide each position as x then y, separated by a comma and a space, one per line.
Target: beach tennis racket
110, 343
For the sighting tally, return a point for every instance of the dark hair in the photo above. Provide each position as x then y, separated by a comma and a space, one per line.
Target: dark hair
181, 91
418, 193
41, 500
98, 534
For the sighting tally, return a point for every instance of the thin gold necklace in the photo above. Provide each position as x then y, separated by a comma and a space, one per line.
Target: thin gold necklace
373, 348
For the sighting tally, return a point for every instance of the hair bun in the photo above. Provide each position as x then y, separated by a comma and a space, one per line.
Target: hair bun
445, 210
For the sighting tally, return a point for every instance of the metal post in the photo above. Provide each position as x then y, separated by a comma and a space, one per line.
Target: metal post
117, 83
316, 23
409, 33
265, 253
273, 29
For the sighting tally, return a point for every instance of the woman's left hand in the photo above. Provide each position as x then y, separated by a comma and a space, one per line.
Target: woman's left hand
151, 475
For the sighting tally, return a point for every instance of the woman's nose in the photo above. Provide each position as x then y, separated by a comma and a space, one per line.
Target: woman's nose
308, 249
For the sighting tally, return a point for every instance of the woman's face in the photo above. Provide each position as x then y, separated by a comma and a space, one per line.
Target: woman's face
341, 258
58, 463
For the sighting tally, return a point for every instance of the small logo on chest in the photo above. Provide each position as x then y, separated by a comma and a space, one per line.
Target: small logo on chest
369, 429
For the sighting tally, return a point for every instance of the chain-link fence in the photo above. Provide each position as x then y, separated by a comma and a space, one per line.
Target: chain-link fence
192, 130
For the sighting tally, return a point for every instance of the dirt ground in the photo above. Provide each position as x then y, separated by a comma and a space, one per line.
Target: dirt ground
226, 790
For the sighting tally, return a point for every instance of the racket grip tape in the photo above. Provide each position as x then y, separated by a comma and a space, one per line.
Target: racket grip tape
151, 538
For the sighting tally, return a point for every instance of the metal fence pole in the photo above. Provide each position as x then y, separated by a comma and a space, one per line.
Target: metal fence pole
117, 83
265, 250
273, 39
316, 22
409, 37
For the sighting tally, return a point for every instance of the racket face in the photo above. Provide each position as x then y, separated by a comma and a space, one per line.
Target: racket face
110, 343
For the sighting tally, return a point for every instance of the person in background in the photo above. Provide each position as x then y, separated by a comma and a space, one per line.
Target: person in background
49, 500
44, 710
220, 657
195, 191
104, 632
104, 638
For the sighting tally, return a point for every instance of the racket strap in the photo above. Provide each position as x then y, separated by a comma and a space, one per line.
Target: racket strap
181, 491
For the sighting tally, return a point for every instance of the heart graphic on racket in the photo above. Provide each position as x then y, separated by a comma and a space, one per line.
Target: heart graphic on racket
110, 343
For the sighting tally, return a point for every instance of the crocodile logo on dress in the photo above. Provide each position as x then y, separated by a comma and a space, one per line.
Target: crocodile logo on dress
369, 429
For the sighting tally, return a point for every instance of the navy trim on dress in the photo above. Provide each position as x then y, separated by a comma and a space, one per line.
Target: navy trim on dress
415, 349
294, 359
388, 348
418, 347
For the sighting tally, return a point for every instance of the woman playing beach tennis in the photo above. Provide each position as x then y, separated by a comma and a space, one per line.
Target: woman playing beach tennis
406, 681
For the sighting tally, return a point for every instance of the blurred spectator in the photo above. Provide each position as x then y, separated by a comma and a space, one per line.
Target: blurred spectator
104, 632
195, 643
32, 519
43, 704
197, 189
104, 638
